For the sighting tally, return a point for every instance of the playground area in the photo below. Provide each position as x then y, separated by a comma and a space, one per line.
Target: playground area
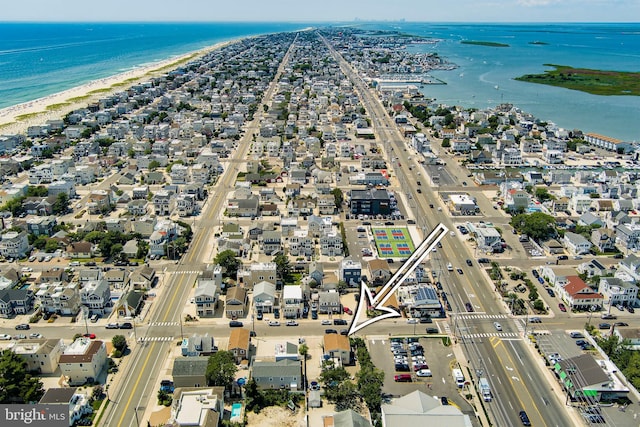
393, 242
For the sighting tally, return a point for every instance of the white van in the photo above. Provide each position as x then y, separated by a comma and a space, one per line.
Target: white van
458, 377
94, 318
74, 264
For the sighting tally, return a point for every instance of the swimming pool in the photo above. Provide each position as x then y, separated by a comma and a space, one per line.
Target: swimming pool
236, 410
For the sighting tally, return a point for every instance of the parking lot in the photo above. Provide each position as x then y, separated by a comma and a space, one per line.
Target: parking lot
439, 358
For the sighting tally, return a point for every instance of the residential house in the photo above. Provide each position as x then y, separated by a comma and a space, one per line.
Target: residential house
379, 270
271, 242
78, 402
337, 346
516, 200
236, 302
15, 301
58, 298
198, 345
54, 275
329, 302
83, 361
618, 292
190, 371
117, 277
301, 243
346, 418
604, 239
198, 406
576, 244
579, 296
206, 297
256, 272
143, 277
283, 374
239, 344
331, 243
350, 272
264, 297
628, 236
129, 304
13, 244
163, 203
80, 250
41, 226
41, 354
248, 207
292, 301
96, 296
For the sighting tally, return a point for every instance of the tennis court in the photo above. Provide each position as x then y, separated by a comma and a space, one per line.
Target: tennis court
393, 242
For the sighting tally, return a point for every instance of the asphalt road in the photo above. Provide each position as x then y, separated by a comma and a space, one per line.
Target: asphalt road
470, 286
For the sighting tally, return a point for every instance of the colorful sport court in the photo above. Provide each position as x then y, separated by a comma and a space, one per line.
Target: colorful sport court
393, 242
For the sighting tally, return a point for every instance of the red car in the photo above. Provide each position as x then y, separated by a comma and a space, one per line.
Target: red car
90, 336
347, 310
562, 307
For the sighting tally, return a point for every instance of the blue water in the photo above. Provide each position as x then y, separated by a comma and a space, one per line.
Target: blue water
236, 409
482, 69
44, 58
40, 59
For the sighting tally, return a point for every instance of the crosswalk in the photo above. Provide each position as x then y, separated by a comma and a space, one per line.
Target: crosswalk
164, 323
186, 272
151, 339
481, 316
492, 334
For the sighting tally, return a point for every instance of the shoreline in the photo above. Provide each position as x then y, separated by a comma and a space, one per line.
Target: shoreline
17, 118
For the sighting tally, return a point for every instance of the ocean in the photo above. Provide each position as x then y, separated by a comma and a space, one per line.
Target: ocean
38, 59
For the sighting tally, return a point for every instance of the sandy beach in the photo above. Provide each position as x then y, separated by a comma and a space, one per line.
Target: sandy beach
17, 118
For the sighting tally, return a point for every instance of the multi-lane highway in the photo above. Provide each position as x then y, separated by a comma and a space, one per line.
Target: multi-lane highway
507, 363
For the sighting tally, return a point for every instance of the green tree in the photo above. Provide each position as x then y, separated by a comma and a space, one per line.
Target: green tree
446, 143
537, 225
51, 245
40, 242
39, 191
255, 399
347, 397
370, 382
119, 342
283, 267
97, 392
538, 305
338, 197
61, 205
153, 165
543, 194
228, 261
303, 350
16, 384
221, 369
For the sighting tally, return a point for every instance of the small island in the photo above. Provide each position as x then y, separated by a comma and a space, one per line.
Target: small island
538, 42
482, 43
595, 82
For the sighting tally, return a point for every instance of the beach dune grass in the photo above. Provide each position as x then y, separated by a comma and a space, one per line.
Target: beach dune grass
595, 82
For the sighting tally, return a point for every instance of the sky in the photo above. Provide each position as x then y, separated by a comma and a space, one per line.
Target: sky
324, 10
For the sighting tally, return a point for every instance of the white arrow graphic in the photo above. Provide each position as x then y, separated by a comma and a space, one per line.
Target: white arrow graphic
377, 302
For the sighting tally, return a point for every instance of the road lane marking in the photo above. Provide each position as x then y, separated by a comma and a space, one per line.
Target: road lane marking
146, 361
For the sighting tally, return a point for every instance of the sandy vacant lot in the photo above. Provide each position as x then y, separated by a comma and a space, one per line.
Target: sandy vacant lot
275, 416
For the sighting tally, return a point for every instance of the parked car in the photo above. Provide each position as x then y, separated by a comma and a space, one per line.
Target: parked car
330, 331
576, 335
90, 336
432, 330
562, 307
235, 324
535, 319
484, 260
35, 335
340, 322
604, 326
325, 322
292, 323
630, 309
112, 326
126, 325
402, 378
22, 326
424, 373
607, 316
5, 337
347, 310
274, 323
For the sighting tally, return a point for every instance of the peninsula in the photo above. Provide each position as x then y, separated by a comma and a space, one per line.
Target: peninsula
596, 82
